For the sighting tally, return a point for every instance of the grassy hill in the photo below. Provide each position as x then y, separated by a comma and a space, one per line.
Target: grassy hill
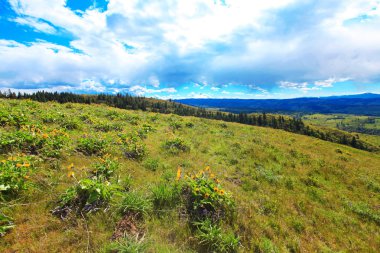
351, 123
79, 178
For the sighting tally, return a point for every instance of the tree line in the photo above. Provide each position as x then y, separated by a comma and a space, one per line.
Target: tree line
126, 101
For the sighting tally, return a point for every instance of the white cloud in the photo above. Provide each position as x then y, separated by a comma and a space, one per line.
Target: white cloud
197, 41
329, 82
141, 91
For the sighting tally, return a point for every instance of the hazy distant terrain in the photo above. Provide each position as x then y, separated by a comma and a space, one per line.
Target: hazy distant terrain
364, 104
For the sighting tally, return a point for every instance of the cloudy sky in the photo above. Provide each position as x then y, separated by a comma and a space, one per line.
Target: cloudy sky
191, 48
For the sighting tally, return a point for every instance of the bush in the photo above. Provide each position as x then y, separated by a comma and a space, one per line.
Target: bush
165, 195
211, 237
206, 199
176, 146
91, 146
135, 203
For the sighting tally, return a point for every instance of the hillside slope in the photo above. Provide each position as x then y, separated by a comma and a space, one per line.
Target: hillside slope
292, 193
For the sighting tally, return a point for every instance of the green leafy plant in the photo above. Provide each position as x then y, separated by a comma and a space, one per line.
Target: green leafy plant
205, 198
70, 124
151, 164
134, 148
12, 118
14, 175
176, 146
107, 127
135, 203
87, 195
6, 223
127, 245
165, 195
105, 167
213, 239
91, 146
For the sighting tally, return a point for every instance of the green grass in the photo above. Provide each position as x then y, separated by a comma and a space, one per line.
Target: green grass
352, 123
292, 193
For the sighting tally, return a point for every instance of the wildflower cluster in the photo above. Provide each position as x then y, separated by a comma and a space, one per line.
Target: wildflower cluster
133, 146
205, 196
91, 193
14, 173
33, 140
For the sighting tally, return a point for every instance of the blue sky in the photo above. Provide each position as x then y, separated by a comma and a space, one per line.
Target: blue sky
191, 48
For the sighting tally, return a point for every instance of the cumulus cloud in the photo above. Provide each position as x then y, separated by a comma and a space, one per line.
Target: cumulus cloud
291, 44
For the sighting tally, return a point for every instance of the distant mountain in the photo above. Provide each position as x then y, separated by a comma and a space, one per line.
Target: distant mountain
361, 104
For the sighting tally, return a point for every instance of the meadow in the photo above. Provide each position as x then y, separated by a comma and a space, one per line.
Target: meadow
347, 122
92, 178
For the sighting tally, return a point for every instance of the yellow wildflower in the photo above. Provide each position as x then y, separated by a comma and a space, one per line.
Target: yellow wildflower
221, 192
216, 189
18, 165
207, 168
71, 174
212, 175
26, 164
45, 136
207, 195
26, 177
70, 166
178, 173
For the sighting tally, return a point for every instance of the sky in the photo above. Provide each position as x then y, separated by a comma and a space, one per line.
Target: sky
191, 48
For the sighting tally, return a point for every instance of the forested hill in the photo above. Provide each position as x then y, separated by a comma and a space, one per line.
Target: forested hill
364, 104
123, 101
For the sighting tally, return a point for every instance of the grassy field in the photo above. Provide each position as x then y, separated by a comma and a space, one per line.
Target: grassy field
352, 123
129, 181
